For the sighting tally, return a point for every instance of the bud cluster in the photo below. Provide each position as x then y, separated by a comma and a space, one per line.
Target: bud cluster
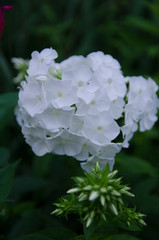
21, 65
98, 196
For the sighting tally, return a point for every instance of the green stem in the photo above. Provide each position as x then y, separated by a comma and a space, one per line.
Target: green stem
88, 231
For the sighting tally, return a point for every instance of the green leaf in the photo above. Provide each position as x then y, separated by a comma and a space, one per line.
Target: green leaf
41, 169
147, 197
33, 237
143, 24
135, 165
88, 231
24, 207
49, 234
8, 99
58, 233
6, 180
133, 227
25, 184
6, 115
6, 72
4, 156
123, 237
81, 237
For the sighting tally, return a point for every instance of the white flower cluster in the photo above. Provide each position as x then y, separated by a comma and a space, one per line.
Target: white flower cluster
80, 106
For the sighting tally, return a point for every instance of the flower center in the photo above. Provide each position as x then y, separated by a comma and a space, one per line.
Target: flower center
80, 83
59, 94
92, 102
39, 98
41, 60
99, 128
55, 112
109, 80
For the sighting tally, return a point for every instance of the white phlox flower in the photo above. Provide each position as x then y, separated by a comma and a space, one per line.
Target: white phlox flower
89, 148
32, 97
117, 107
40, 62
128, 132
105, 154
100, 128
53, 118
87, 166
67, 144
83, 107
142, 104
97, 59
36, 138
109, 151
99, 103
83, 82
72, 63
112, 80
59, 93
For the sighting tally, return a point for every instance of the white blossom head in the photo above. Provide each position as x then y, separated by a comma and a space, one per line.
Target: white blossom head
83, 107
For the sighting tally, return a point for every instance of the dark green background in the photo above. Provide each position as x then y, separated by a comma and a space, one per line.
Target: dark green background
129, 31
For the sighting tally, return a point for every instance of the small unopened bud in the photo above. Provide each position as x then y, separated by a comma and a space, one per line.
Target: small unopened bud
128, 223
120, 200
82, 197
115, 193
97, 167
79, 180
103, 190
113, 208
104, 217
142, 222
89, 221
128, 193
125, 189
90, 218
73, 190
87, 215
57, 212
102, 200
96, 187
112, 174
87, 188
93, 195
92, 214
117, 180
109, 188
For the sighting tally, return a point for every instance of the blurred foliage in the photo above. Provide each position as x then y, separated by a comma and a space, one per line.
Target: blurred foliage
129, 31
